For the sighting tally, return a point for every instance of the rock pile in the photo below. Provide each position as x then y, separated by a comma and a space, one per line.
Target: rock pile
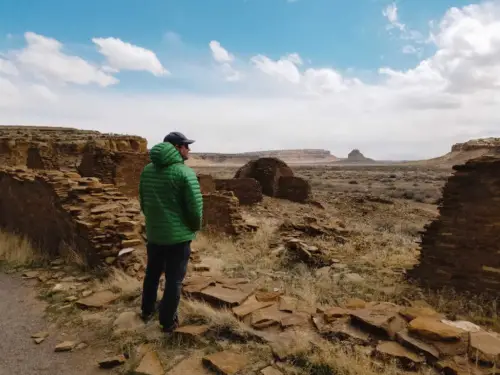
412, 335
61, 209
247, 190
276, 179
460, 248
120, 168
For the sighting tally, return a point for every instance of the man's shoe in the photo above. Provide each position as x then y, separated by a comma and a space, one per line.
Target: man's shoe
169, 329
146, 317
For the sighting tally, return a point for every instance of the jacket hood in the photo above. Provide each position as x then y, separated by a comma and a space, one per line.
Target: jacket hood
165, 154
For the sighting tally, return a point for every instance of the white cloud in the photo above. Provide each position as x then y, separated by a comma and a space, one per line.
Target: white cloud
7, 67
44, 59
391, 13
219, 53
125, 56
225, 59
451, 96
409, 49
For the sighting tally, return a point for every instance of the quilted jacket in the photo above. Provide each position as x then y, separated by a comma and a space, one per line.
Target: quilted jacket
170, 197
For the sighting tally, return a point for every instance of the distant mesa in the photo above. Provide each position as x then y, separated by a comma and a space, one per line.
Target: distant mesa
355, 156
294, 156
462, 152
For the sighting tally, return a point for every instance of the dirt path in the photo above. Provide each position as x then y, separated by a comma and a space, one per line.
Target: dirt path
21, 315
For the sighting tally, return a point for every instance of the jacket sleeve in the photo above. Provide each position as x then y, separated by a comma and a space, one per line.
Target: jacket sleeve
193, 199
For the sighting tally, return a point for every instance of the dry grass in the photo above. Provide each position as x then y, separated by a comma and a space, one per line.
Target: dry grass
17, 250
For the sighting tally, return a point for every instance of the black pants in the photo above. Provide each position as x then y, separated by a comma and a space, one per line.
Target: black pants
173, 260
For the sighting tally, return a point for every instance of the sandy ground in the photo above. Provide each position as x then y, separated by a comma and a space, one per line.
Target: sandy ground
21, 315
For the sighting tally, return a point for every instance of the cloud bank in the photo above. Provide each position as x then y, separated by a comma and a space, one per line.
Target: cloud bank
261, 103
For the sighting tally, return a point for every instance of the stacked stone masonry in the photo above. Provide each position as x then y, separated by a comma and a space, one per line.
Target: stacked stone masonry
61, 210
221, 214
247, 190
120, 168
461, 248
58, 148
276, 179
207, 183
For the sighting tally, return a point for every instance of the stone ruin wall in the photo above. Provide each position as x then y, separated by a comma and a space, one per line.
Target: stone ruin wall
221, 214
247, 190
461, 248
58, 210
276, 179
120, 168
58, 148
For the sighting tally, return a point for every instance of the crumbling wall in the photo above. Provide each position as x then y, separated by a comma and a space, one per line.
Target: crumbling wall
221, 214
267, 171
247, 190
293, 188
41, 158
207, 183
122, 169
461, 247
276, 179
57, 210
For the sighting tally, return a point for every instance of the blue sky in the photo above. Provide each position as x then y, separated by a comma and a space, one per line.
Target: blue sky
316, 60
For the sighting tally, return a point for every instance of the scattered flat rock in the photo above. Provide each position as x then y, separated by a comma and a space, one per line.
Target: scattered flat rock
249, 306
355, 303
295, 319
150, 365
192, 330
485, 347
97, 300
433, 329
31, 274
127, 321
190, 366
270, 370
226, 362
201, 268
341, 329
389, 350
267, 296
334, 313
458, 366
381, 321
411, 313
267, 317
417, 345
65, 346
290, 343
224, 296
112, 362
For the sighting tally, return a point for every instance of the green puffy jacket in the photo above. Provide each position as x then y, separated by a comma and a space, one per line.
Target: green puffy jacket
170, 197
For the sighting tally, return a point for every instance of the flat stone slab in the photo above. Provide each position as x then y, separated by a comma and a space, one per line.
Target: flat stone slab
97, 300
150, 365
226, 362
417, 345
389, 350
111, 362
485, 346
65, 346
270, 370
433, 329
267, 317
249, 306
126, 322
190, 366
341, 329
192, 330
225, 296
379, 321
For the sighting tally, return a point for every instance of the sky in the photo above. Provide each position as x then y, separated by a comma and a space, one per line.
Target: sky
401, 79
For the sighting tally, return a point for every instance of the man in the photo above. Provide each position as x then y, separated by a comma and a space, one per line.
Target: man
172, 204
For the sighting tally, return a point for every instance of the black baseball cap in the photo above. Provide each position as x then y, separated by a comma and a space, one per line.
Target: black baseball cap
177, 139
